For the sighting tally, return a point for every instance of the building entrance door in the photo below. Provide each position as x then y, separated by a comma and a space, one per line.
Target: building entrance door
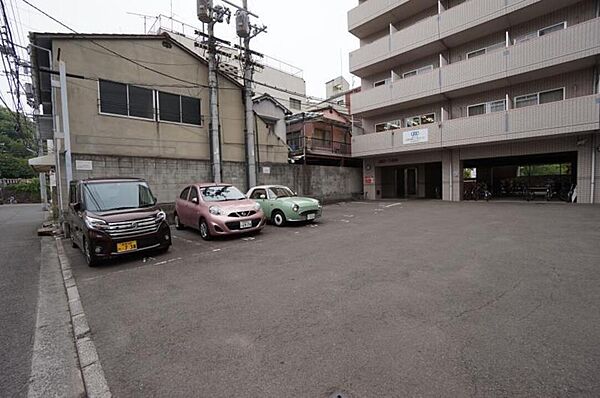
410, 182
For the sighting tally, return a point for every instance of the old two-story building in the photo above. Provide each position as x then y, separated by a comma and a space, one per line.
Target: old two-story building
138, 106
490, 86
321, 136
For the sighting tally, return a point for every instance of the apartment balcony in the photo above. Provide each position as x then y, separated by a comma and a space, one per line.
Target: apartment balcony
460, 24
371, 15
317, 146
559, 52
577, 115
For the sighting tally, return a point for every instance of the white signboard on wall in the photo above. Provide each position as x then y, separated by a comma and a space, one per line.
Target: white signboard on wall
415, 136
83, 165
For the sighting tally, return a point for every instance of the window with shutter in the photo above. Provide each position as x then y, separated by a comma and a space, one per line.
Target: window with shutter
170, 107
113, 97
141, 103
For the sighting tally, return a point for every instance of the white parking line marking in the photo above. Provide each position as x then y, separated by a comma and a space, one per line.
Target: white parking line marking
393, 204
216, 250
169, 261
184, 239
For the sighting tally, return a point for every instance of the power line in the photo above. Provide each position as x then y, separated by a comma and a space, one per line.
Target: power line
114, 52
10, 55
192, 84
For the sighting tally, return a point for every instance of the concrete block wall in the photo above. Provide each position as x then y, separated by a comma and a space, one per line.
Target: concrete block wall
167, 177
327, 183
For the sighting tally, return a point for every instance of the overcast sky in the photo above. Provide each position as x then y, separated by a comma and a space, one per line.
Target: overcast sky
309, 34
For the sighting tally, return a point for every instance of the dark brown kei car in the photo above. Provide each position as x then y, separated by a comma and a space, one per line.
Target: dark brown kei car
114, 216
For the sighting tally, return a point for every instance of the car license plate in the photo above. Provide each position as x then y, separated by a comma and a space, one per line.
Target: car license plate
310, 216
245, 224
126, 246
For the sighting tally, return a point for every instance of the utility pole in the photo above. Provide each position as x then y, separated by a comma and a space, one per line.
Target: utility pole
215, 138
248, 94
246, 31
210, 16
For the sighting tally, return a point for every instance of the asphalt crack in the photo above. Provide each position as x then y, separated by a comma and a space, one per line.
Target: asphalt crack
490, 302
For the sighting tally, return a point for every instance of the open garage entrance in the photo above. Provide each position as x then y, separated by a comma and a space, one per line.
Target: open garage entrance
547, 177
412, 181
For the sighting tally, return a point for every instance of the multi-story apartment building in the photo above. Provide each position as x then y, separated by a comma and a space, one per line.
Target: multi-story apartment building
492, 85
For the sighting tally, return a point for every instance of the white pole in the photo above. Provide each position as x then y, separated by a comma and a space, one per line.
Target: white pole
593, 184
64, 103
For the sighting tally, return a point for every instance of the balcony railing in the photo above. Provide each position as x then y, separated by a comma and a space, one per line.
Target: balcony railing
576, 115
317, 145
369, 16
395, 48
577, 42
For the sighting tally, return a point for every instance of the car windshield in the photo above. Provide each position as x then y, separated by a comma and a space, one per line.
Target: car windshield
282, 192
221, 194
117, 196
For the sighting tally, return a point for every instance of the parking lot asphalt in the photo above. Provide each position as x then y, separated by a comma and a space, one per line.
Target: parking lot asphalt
379, 299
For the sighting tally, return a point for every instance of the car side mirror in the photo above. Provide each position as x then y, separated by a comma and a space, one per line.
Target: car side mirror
262, 196
195, 200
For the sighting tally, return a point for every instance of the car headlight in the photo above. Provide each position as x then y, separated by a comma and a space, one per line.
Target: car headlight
257, 206
160, 216
295, 207
95, 223
217, 211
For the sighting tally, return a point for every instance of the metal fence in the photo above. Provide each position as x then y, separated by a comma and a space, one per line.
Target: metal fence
318, 145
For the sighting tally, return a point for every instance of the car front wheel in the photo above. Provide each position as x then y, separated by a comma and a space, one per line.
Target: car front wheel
278, 218
90, 258
204, 230
178, 224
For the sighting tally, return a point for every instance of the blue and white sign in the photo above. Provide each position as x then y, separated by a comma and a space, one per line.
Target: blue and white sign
415, 136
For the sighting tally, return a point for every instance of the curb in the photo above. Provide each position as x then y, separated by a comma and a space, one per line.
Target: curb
91, 369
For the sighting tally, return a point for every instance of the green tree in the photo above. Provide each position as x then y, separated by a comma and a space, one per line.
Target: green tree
16, 145
14, 167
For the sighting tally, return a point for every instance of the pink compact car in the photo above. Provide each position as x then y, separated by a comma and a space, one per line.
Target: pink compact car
217, 209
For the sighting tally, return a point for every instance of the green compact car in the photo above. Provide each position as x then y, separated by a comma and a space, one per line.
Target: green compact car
281, 205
